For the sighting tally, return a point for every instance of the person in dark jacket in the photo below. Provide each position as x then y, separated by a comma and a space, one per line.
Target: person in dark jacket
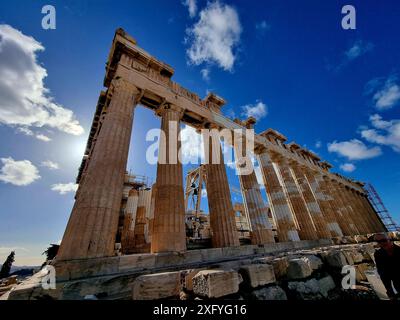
387, 260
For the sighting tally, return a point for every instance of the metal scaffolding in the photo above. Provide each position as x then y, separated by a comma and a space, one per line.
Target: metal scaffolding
380, 208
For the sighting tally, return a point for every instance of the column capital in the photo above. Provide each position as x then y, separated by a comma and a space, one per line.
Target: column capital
119, 83
277, 157
210, 125
169, 107
260, 149
294, 162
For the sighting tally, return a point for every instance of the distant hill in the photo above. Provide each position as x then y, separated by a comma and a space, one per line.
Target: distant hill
22, 271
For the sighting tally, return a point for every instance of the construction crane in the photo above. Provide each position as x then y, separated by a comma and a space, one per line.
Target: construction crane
380, 208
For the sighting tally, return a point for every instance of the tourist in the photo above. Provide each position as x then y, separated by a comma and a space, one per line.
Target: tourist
387, 260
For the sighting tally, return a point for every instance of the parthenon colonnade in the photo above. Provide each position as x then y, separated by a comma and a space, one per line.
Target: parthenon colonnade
307, 200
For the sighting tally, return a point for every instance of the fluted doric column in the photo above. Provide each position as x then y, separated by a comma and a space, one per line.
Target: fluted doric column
361, 211
93, 224
337, 206
169, 232
376, 223
278, 202
222, 215
348, 210
310, 200
354, 211
261, 228
357, 207
321, 190
142, 221
306, 230
128, 229
346, 222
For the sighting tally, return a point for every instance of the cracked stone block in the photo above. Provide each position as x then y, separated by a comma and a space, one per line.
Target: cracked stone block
353, 256
335, 259
157, 286
314, 262
280, 267
299, 268
216, 283
258, 274
188, 276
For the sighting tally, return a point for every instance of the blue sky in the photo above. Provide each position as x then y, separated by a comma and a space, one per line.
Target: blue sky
289, 63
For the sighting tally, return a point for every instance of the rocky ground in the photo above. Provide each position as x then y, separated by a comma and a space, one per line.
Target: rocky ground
299, 275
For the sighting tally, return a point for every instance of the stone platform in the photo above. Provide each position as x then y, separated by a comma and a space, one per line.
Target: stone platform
169, 275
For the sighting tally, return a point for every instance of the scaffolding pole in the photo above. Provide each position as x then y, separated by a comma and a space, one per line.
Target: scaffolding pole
380, 208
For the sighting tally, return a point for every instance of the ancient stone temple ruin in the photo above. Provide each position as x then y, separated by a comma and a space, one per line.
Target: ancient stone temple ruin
308, 202
121, 227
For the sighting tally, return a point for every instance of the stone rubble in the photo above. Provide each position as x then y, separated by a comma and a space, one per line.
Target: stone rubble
305, 274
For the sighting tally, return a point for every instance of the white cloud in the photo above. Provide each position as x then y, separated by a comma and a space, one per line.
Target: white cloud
204, 193
258, 110
43, 137
205, 73
385, 92
50, 164
354, 149
192, 7
385, 133
29, 132
348, 167
25, 131
19, 173
192, 148
358, 49
387, 97
24, 100
63, 188
318, 144
214, 37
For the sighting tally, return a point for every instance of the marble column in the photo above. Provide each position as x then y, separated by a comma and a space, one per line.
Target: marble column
321, 190
310, 200
93, 224
337, 206
360, 209
307, 230
354, 211
254, 205
169, 233
278, 202
351, 228
375, 221
128, 229
142, 245
222, 215
366, 212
